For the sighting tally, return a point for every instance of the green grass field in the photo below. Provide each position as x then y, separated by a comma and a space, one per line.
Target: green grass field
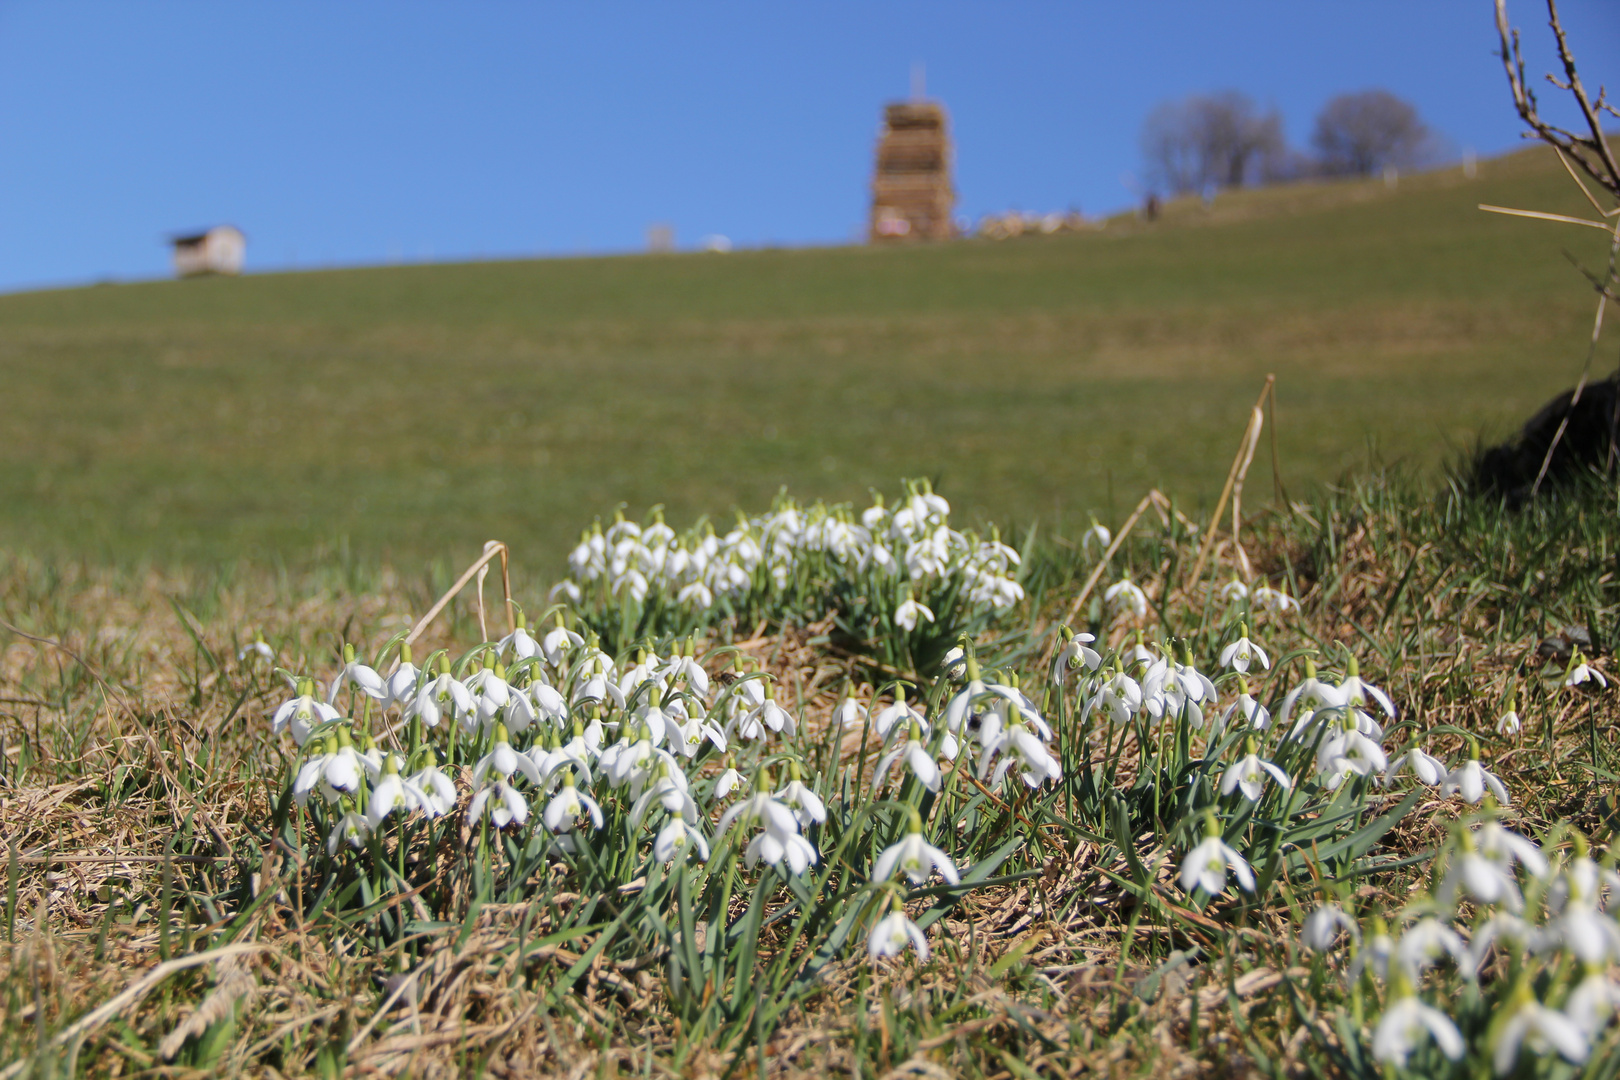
417, 411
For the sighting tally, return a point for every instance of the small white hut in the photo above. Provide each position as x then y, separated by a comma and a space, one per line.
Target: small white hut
219, 250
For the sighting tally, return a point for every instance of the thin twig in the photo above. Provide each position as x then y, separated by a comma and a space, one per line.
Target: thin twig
1586, 372
1240, 465
491, 549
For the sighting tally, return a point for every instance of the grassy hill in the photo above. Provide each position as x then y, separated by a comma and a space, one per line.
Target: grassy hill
420, 410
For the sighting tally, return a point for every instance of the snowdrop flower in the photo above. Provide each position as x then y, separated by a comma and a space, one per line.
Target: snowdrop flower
1125, 596
1506, 847
1322, 926
1425, 942
1501, 924
684, 665
915, 857
438, 793
337, 769
767, 715
1508, 723
909, 611
687, 738
302, 714
1543, 1028
891, 935
519, 641
917, 759
1120, 697
1592, 1004
363, 678
503, 802
558, 642
1098, 534
351, 827
1483, 880
1312, 697
1248, 774
1346, 752
669, 790
762, 808
599, 687
1580, 925
775, 847
778, 839
1251, 711
726, 781
1019, 747
1074, 654
1428, 769
1580, 672
490, 691
504, 761
676, 838
1376, 950
401, 684
1471, 780
897, 715
849, 712
1234, 591
1407, 1022
1269, 599
1242, 652
1354, 689
444, 696
257, 647
393, 792
1205, 866
807, 807
568, 805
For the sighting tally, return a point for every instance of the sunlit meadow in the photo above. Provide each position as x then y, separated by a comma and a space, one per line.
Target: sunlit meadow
738, 778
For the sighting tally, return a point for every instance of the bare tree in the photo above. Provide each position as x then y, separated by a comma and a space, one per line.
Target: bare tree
1219, 140
1359, 134
1589, 149
1590, 152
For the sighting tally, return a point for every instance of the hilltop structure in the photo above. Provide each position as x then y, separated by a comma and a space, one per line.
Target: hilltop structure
219, 250
912, 196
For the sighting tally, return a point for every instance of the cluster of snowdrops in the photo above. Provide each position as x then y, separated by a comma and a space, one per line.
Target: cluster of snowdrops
679, 757
910, 547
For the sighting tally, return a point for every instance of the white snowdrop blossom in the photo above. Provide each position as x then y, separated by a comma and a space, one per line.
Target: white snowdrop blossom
678, 837
1268, 599
301, 715
1248, 775
1243, 652
1127, 596
1471, 780
351, 828
568, 805
1428, 769
915, 857
1581, 672
1206, 865
891, 934
1544, 1030
1407, 1022
358, 675
909, 611
1322, 927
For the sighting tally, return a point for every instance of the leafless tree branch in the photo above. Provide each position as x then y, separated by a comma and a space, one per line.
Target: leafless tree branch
1590, 151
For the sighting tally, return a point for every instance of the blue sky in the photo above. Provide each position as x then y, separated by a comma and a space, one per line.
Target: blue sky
367, 133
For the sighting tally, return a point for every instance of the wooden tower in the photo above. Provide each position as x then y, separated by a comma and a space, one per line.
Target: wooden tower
912, 198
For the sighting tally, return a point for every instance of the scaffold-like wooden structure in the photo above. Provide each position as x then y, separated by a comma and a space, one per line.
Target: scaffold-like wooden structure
912, 197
